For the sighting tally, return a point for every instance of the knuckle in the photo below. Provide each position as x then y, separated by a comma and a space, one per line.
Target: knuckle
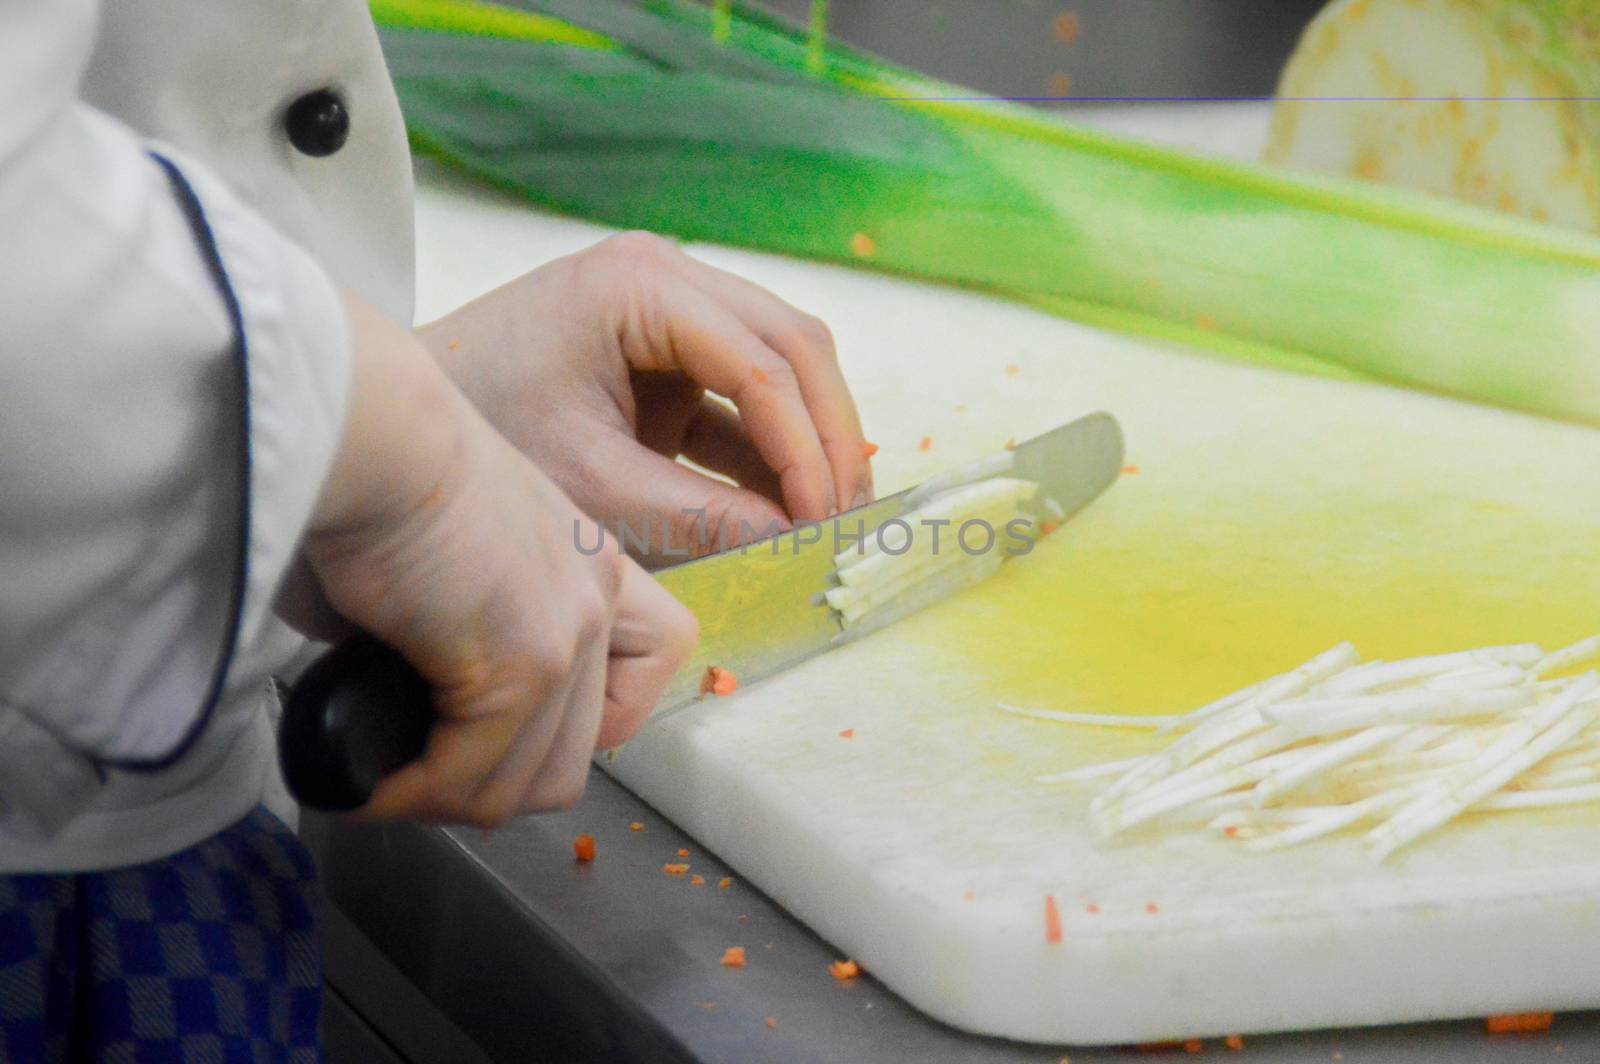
811, 339
638, 245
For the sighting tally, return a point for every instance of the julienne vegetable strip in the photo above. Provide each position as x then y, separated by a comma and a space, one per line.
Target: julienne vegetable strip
1404, 747
724, 125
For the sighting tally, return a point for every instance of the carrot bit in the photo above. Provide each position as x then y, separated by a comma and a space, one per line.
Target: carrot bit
1047, 527
848, 733
1519, 1023
453, 344
1065, 27
583, 847
759, 375
1193, 1045
1232, 831
863, 246
635, 826
718, 681
1011, 445
771, 1022
733, 957
1206, 322
1012, 370
1092, 909
869, 449
1052, 920
724, 883
1234, 1043
844, 971
1152, 908
1131, 470
697, 881
683, 853
675, 869
926, 444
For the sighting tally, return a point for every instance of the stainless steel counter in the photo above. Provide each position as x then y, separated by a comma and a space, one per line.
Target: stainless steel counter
459, 948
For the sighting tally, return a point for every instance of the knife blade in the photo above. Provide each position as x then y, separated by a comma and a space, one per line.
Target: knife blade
361, 711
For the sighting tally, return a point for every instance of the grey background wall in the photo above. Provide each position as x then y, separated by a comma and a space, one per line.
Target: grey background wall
1090, 48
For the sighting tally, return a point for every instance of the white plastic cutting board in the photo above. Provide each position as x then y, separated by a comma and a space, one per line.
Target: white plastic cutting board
1270, 516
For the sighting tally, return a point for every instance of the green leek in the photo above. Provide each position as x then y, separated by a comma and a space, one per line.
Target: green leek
735, 133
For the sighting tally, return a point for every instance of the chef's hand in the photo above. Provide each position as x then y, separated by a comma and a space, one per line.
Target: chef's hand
433, 534
597, 367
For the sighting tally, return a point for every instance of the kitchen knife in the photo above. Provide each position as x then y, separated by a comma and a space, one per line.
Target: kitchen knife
361, 711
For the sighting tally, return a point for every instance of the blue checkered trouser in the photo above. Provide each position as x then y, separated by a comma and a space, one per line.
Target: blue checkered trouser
209, 955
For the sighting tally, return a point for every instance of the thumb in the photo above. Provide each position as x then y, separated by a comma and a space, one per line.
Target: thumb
667, 511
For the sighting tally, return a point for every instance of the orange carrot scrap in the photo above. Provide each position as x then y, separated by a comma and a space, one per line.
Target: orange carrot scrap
1232, 831
771, 1022
733, 957
848, 733
1052, 920
1152, 908
453, 344
718, 681
1519, 1023
863, 246
1092, 909
697, 881
1047, 527
844, 971
1065, 27
1193, 1045
724, 883
1234, 1043
926, 444
675, 869
683, 853
1012, 370
869, 449
1131, 470
635, 826
583, 847
1011, 445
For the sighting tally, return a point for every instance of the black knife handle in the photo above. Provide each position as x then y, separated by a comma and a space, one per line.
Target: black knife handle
356, 715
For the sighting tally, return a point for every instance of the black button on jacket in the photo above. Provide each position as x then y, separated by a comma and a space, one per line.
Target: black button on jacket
318, 123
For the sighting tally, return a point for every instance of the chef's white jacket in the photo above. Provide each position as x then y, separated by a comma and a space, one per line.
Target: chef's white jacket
173, 379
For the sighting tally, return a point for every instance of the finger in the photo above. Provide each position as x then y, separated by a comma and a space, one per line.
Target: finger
502, 793
564, 772
652, 639
807, 345
716, 439
716, 349
667, 511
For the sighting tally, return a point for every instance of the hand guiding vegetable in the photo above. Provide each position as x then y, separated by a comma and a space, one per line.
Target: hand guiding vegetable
599, 366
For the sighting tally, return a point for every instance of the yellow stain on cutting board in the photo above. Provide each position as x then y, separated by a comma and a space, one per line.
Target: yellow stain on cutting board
1120, 613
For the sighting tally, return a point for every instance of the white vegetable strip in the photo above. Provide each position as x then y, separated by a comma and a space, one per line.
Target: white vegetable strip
1581, 653
1103, 720
1347, 749
1398, 672
1327, 716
